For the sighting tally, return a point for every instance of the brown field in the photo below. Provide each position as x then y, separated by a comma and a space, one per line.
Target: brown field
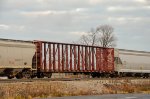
29, 90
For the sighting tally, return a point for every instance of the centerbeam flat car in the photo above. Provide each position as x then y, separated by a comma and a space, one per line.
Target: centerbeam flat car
29, 59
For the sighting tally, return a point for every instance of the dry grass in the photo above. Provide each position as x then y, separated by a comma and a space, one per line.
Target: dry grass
128, 86
28, 90
42, 89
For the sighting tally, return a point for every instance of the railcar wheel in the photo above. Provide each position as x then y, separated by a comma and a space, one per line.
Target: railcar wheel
107, 75
19, 76
33, 76
27, 74
40, 75
49, 75
10, 76
146, 75
98, 75
94, 75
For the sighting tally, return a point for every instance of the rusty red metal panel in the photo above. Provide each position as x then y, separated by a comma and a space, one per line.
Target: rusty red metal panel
89, 56
92, 59
58, 57
100, 63
86, 59
83, 65
50, 60
78, 58
62, 57
45, 57
70, 57
41, 65
106, 62
98, 60
54, 61
105, 59
102, 60
67, 57
75, 59
39, 55
110, 59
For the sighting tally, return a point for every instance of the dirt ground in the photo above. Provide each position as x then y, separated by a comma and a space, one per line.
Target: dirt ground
28, 90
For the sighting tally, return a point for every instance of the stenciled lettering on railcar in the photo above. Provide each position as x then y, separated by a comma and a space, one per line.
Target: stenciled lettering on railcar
105, 59
110, 59
18, 59
11, 62
99, 59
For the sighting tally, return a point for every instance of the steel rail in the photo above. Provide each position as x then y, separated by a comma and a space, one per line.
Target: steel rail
68, 79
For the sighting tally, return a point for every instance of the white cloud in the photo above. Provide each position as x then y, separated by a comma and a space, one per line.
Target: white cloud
42, 13
19, 19
147, 7
130, 8
80, 9
12, 27
40, 1
78, 33
94, 2
19, 28
52, 12
141, 1
125, 19
4, 27
120, 8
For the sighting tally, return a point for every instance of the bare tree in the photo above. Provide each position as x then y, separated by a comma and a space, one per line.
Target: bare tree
106, 36
101, 36
90, 38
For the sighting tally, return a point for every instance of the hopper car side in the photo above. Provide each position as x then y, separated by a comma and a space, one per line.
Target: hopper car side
132, 63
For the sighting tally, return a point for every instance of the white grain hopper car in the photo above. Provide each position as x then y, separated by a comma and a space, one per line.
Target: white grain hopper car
132, 63
15, 55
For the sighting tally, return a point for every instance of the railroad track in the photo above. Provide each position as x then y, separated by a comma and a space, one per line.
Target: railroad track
37, 79
66, 79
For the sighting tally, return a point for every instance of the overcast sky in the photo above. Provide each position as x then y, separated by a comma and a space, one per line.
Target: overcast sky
67, 20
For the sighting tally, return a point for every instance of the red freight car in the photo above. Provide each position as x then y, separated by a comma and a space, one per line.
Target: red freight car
55, 57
